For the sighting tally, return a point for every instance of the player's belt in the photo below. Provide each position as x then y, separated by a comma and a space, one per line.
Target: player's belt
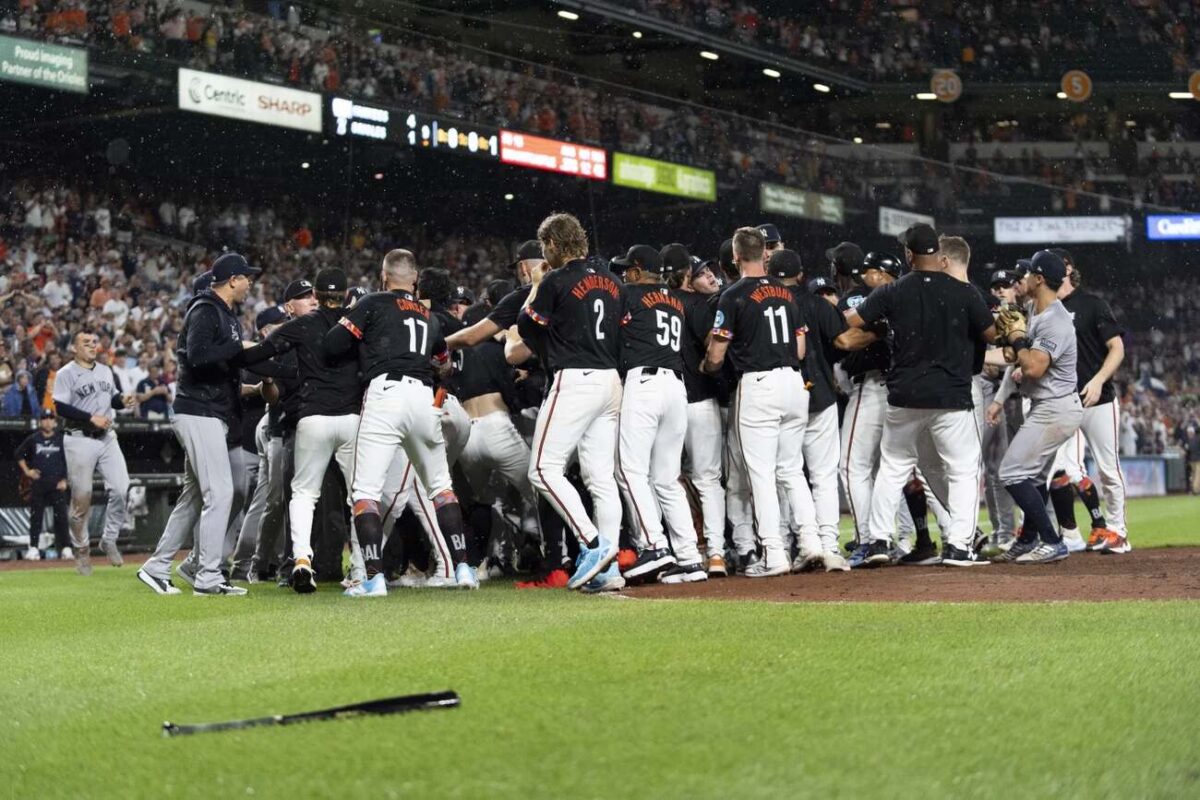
858, 380
82, 432
662, 371
396, 376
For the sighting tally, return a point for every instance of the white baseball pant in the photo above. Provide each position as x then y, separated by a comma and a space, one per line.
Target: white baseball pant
821, 450
652, 427
738, 505
580, 414
403, 489
318, 438
771, 409
704, 443
1101, 430
85, 455
495, 447
456, 428
861, 435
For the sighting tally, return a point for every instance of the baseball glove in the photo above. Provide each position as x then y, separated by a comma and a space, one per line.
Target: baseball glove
1010, 324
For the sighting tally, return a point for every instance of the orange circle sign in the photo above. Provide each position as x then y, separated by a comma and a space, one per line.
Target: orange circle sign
1194, 84
1077, 86
946, 84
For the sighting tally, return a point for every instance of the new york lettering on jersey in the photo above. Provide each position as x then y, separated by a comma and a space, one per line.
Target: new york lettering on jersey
578, 306
397, 334
652, 328
760, 319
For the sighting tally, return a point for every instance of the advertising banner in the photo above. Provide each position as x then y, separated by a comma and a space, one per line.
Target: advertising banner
264, 103
46, 65
894, 221
567, 158
1060, 230
774, 198
1173, 227
651, 175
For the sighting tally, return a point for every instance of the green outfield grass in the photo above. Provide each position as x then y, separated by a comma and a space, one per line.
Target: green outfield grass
571, 696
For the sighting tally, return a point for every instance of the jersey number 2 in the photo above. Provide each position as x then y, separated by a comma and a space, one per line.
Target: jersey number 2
598, 307
772, 314
415, 325
669, 328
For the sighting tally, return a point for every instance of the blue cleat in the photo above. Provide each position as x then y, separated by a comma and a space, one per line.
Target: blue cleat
465, 577
592, 562
1015, 551
610, 580
372, 587
858, 557
1045, 554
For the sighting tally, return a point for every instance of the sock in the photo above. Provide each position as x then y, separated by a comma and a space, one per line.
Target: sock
918, 507
1028, 495
1091, 500
555, 553
480, 518
1062, 495
370, 535
450, 520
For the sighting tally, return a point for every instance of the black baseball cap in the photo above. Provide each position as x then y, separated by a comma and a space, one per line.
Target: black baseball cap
769, 232
922, 239
725, 258
462, 294
675, 257
357, 293
530, 249
231, 265
330, 279
1003, 276
821, 285
847, 259
272, 315
297, 289
785, 264
202, 282
642, 256
1050, 266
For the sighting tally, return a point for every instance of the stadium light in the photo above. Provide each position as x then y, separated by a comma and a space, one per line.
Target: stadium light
637, 34
508, 196
1179, 95
378, 176
771, 73
571, 15
304, 165
883, 126
1061, 95
926, 96
858, 140
822, 88
710, 55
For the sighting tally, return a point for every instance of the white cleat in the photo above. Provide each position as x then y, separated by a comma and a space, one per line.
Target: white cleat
373, 587
465, 577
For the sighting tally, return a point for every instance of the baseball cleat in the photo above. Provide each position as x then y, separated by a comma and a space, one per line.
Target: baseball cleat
372, 587
186, 575
67, 554
1073, 540
465, 577
32, 554
50, 555
858, 556
556, 579
923, 555
835, 562
593, 561
683, 573
439, 581
1044, 554
609, 580
769, 566
978, 541
957, 557
808, 561
412, 578
1015, 551
1112, 542
220, 590
304, 580
156, 585
716, 567
879, 553
649, 563
83, 563
109, 548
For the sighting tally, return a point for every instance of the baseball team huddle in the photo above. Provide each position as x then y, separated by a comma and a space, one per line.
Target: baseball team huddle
679, 418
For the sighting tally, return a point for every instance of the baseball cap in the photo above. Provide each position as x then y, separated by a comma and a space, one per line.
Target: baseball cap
640, 255
847, 258
785, 264
1002, 276
230, 265
1064, 254
202, 282
462, 294
272, 315
297, 289
1050, 266
821, 285
922, 239
769, 232
1022, 268
697, 266
725, 258
357, 293
675, 257
330, 279
529, 249
47, 413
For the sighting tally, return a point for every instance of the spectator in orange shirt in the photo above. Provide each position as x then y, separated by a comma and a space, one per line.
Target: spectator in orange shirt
101, 294
303, 237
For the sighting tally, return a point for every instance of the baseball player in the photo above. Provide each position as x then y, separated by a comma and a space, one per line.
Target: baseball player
461, 299
1046, 356
704, 440
936, 323
327, 420
572, 315
995, 437
1100, 353
210, 354
42, 460
85, 396
398, 341
821, 438
759, 326
504, 314
653, 421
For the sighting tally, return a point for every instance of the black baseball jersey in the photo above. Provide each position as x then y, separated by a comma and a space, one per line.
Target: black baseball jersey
1095, 324
937, 324
396, 334
762, 322
652, 328
329, 385
876, 357
286, 413
505, 312
576, 314
824, 325
698, 313
46, 455
484, 371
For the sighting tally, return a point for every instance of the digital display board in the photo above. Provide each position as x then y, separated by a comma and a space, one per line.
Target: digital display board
567, 158
425, 131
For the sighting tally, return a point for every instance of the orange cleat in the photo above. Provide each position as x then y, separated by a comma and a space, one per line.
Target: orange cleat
555, 580
626, 559
1110, 542
1096, 538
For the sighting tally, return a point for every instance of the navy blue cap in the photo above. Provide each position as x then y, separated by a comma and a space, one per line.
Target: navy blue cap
1050, 266
1022, 268
821, 285
202, 282
725, 258
1003, 276
769, 232
357, 293
271, 315
462, 294
785, 264
297, 289
230, 265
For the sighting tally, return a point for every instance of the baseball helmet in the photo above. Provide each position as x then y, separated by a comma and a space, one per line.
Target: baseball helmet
882, 261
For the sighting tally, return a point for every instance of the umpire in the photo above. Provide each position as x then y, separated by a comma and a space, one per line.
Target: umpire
42, 459
210, 355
